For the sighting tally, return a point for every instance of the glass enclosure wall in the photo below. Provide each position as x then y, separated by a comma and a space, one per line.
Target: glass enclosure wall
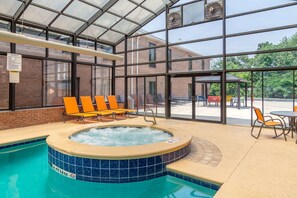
46, 75
256, 61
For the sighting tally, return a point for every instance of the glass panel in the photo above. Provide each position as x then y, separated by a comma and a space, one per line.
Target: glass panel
119, 71
151, 55
4, 84
208, 96
32, 14
262, 20
257, 92
157, 23
200, 31
180, 2
267, 60
119, 91
111, 36
29, 90
146, 69
193, 13
107, 49
52, 4
122, 7
9, 7
136, 94
150, 97
206, 48
125, 26
154, 5
101, 81
197, 65
160, 96
67, 23
262, 41
85, 44
181, 97
60, 38
278, 91
238, 6
138, 1
94, 31
143, 41
30, 49
107, 20
57, 82
84, 74
81, 10
100, 3
239, 113
4, 26
139, 15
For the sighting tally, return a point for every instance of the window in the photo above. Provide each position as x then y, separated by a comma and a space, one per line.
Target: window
169, 59
190, 64
152, 88
56, 82
152, 55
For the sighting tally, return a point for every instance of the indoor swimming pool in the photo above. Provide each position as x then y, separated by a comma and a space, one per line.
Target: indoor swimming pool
25, 172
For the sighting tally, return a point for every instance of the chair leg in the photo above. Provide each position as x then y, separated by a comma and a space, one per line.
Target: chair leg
259, 131
274, 131
284, 132
253, 129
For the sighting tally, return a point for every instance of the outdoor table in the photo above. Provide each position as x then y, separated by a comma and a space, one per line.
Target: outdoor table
291, 115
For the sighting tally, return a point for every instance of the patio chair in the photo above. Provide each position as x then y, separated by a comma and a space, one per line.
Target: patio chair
101, 106
272, 122
201, 99
71, 109
150, 101
113, 105
88, 107
229, 99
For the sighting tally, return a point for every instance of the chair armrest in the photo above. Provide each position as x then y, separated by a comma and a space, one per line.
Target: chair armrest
267, 116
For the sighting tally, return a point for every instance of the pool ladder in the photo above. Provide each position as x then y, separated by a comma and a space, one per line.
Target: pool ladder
154, 119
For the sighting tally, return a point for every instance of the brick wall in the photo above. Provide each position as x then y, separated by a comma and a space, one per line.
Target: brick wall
29, 117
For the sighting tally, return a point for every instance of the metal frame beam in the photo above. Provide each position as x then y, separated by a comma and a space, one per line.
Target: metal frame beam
21, 10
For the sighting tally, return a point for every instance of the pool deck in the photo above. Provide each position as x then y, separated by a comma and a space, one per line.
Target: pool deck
223, 154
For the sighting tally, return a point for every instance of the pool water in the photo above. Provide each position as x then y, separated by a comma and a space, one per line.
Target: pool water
25, 173
121, 136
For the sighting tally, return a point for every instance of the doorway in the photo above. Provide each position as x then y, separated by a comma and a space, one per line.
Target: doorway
196, 97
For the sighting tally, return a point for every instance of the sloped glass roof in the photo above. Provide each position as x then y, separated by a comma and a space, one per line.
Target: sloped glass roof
104, 20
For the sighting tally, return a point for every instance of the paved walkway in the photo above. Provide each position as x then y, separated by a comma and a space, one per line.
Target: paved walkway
223, 154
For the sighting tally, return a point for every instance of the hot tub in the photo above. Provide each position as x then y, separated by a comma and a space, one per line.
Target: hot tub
116, 163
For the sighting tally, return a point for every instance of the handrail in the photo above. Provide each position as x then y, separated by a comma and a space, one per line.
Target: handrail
153, 121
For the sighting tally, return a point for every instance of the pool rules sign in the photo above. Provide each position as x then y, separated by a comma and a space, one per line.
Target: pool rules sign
14, 66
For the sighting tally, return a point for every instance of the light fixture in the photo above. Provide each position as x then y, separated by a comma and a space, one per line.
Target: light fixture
22, 39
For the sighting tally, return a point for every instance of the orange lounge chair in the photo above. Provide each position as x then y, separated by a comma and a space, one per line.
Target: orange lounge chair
113, 105
268, 123
88, 107
101, 106
71, 109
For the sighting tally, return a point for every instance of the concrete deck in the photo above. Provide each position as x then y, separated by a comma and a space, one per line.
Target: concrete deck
221, 153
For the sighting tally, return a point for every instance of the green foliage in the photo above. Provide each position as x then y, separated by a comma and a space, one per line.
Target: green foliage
277, 84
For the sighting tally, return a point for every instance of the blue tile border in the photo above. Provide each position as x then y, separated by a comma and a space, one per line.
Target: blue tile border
113, 171
22, 143
197, 181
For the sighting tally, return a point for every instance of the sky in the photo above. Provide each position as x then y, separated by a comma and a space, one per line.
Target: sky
268, 19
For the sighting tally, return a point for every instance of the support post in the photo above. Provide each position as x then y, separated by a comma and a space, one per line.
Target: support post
12, 85
126, 73
74, 71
